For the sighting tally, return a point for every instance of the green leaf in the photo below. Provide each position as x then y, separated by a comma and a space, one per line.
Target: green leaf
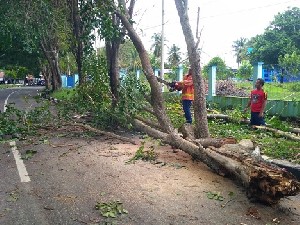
210, 195
28, 154
112, 214
231, 194
220, 198
105, 214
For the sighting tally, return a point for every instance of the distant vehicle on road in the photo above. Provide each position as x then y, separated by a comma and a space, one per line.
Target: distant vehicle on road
2, 77
41, 83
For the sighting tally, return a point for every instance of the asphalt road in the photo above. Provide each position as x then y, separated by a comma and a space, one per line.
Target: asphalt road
17, 204
12, 184
72, 171
20, 96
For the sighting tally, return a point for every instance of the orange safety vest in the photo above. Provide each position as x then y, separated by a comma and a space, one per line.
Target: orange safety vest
187, 87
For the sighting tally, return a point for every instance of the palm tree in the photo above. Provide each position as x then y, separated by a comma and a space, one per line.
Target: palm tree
135, 61
239, 49
174, 55
156, 46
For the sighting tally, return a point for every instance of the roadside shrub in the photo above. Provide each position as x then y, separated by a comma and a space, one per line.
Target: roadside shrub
18, 123
94, 97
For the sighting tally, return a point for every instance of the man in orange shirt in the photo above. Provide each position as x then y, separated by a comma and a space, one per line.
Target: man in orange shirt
187, 87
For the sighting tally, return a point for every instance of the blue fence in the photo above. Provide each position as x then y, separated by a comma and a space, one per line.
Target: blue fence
69, 81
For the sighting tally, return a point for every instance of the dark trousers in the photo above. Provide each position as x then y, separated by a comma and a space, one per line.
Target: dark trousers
186, 104
256, 120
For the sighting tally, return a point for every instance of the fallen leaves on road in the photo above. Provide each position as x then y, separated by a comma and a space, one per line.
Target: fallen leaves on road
111, 209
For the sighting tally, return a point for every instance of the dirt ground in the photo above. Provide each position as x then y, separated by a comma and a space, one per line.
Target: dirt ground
70, 174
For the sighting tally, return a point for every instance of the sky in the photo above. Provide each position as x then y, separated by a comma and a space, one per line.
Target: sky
222, 22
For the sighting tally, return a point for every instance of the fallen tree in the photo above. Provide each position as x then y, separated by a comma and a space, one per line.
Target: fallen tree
279, 132
265, 182
295, 130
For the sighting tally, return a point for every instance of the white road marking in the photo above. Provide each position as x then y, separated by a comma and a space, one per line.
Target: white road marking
6, 100
20, 164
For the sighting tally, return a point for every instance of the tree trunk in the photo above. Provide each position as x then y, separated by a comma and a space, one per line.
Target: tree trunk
264, 182
51, 53
112, 48
47, 76
279, 132
112, 54
200, 113
157, 100
77, 31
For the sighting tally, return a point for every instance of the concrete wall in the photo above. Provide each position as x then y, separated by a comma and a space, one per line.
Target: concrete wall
274, 107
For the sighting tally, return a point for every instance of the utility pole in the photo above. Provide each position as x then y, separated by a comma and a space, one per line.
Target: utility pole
162, 43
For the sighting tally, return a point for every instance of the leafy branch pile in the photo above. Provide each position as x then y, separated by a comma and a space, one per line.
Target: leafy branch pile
229, 88
95, 98
15, 123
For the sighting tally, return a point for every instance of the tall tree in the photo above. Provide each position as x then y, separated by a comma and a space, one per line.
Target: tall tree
156, 101
278, 39
174, 55
83, 18
245, 71
156, 45
129, 57
288, 22
222, 71
239, 47
37, 37
194, 58
76, 41
113, 40
290, 63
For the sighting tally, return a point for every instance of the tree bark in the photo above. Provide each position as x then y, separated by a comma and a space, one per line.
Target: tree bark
282, 133
51, 53
112, 49
200, 113
264, 182
47, 76
295, 130
77, 29
157, 100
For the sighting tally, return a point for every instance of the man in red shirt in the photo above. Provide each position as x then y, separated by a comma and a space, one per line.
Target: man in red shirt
257, 103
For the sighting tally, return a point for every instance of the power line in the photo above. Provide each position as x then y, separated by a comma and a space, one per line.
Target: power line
247, 10
229, 13
148, 28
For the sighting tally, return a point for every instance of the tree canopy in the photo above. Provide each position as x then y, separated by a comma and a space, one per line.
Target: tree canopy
222, 70
281, 37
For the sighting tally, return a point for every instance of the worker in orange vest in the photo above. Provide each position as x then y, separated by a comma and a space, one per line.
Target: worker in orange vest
187, 87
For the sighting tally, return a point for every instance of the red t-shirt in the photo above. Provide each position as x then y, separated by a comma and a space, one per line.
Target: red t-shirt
257, 99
